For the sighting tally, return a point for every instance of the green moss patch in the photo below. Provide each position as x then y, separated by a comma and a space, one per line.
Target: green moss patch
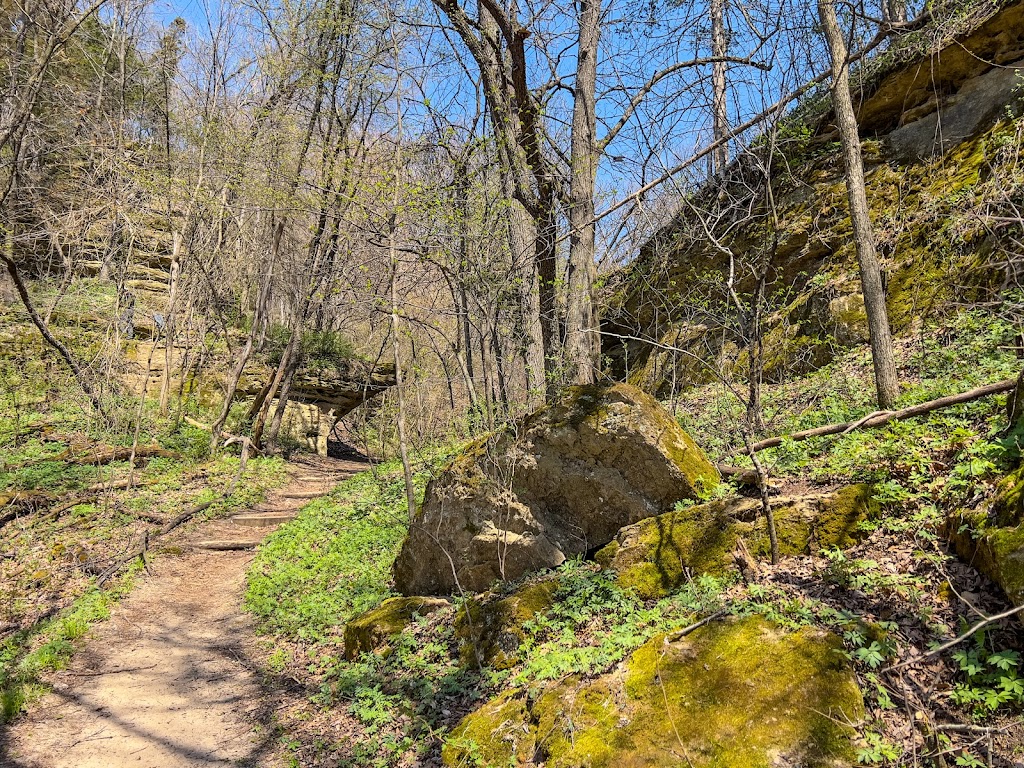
373, 629
657, 556
992, 538
491, 632
498, 734
741, 694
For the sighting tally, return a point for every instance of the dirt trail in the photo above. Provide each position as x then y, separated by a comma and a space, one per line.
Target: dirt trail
168, 680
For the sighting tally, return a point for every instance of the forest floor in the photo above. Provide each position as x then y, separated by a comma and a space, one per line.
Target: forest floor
172, 679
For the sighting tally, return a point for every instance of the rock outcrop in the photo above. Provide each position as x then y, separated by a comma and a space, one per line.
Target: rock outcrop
742, 693
562, 483
491, 632
991, 538
657, 556
933, 115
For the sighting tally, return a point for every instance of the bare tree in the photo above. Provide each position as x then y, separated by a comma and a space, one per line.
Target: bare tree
886, 378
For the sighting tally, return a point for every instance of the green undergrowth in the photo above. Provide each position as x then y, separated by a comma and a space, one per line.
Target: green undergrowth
405, 701
334, 560
971, 349
49, 645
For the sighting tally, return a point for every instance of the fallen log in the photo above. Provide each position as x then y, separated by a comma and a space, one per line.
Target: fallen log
187, 515
17, 503
881, 418
99, 457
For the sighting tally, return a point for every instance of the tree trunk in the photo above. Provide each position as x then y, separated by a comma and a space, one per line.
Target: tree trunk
258, 326
52, 340
282, 405
886, 380
582, 339
169, 330
522, 237
547, 286
403, 443
720, 110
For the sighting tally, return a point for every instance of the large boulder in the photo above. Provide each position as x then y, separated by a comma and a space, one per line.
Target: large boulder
742, 693
491, 631
561, 483
373, 630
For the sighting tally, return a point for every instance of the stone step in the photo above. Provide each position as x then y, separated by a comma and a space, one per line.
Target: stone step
302, 494
225, 545
262, 519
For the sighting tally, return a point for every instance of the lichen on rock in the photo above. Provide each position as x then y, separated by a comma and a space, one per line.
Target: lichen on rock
991, 538
739, 694
491, 632
497, 735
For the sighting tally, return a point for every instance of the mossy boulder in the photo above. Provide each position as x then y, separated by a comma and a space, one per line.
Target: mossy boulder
739, 694
374, 629
498, 734
490, 632
991, 538
559, 484
656, 556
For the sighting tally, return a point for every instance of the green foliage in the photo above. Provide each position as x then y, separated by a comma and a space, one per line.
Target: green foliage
877, 751
590, 604
334, 560
318, 349
991, 679
969, 349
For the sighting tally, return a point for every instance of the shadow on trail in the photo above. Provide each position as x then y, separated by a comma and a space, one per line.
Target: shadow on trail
205, 667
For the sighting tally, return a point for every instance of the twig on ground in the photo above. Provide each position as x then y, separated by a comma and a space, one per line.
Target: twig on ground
957, 640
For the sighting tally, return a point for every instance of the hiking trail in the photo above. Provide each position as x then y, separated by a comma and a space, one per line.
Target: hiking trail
170, 679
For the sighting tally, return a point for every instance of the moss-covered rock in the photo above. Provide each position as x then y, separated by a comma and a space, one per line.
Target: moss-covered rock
656, 556
373, 629
498, 735
490, 632
559, 484
991, 538
935, 249
740, 694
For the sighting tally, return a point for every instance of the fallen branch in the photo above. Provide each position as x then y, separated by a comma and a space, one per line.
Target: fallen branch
957, 640
140, 552
186, 516
672, 637
742, 475
884, 417
119, 485
99, 458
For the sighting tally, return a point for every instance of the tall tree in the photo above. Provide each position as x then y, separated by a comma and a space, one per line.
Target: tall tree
719, 107
886, 378
582, 336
